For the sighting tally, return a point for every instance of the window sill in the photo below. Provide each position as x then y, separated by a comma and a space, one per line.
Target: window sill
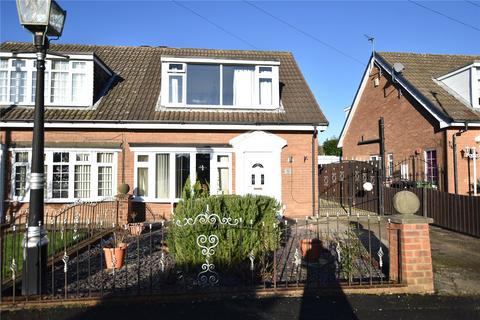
154, 200
217, 107
61, 200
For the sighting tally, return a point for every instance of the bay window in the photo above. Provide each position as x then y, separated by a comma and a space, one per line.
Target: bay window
215, 83
161, 174
70, 174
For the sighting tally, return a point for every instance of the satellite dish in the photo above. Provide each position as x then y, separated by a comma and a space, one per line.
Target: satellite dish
398, 67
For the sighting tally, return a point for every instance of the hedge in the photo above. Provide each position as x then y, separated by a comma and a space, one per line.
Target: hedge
256, 232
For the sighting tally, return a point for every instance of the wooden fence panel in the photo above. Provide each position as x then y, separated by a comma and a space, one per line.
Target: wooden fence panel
455, 212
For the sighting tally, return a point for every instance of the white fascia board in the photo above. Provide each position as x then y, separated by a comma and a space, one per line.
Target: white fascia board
182, 149
462, 124
162, 126
218, 60
356, 101
33, 55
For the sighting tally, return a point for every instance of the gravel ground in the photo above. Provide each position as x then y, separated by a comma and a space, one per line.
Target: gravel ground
145, 269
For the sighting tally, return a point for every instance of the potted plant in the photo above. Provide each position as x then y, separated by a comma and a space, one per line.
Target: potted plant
114, 252
135, 229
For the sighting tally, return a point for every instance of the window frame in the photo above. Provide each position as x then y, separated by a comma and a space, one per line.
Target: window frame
434, 181
164, 100
71, 163
30, 69
152, 152
13, 175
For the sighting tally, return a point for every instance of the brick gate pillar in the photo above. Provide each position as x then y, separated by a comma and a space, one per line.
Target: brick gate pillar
410, 252
124, 207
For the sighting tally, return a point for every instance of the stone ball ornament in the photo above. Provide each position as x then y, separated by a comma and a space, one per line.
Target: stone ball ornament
406, 202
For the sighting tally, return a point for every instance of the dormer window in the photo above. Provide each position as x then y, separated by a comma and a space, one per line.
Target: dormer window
464, 84
68, 82
213, 83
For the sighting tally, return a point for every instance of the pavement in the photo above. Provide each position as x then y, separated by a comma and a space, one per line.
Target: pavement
456, 261
321, 307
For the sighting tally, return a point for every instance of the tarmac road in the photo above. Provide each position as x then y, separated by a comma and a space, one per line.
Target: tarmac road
321, 307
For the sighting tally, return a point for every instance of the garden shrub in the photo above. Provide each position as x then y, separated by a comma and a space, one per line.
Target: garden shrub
254, 233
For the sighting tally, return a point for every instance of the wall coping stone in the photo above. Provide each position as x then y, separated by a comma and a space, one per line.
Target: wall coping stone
408, 219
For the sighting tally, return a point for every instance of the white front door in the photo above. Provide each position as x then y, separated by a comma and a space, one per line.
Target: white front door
258, 173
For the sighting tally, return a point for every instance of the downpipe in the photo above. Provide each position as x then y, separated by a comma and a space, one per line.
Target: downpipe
314, 163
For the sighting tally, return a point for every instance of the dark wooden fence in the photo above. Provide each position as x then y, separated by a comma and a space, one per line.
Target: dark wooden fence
455, 212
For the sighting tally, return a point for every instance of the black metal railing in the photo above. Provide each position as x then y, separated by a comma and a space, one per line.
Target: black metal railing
324, 251
69, 230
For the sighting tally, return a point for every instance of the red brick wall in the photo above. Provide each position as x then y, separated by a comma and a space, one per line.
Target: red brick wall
407, 127
296, 188
466, 139
414, 254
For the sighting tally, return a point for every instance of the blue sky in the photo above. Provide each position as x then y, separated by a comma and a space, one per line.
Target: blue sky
333, 74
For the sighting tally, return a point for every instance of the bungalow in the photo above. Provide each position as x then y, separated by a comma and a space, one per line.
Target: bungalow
431, 109
239, 122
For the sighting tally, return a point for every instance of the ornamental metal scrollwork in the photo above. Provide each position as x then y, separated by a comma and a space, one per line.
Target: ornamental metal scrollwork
342, 176
76, 221
202, 240
207, 243
208, 276
207, 218
65, 259
334, 177
297, 258
325, 181
251, 256
380, 257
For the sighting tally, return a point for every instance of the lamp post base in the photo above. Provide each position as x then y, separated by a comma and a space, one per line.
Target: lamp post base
35, 253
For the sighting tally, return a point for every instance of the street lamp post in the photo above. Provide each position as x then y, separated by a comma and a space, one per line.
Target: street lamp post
43, 18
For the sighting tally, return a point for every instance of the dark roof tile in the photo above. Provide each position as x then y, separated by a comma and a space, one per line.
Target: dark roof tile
421, 70
134, 98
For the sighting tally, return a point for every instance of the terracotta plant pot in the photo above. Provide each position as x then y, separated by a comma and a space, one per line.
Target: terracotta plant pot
136, 229
310, 249
119, 256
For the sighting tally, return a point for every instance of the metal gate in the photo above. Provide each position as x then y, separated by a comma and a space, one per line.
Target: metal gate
350, 188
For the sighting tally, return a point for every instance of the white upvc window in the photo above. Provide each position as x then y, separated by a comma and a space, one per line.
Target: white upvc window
390, 165
160, 174
404, 171
215, 83
68, 82
70, 174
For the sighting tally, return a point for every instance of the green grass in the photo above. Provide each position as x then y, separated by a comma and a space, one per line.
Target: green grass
12, 247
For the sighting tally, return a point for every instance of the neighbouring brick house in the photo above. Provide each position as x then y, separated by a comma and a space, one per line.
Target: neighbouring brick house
425, 103
238, 121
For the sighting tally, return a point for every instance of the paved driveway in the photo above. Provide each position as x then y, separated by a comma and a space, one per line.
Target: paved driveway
456, 262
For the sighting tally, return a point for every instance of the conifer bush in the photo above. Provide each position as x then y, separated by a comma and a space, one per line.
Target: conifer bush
257, 231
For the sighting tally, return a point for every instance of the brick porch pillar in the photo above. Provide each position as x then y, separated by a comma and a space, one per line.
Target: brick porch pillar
124, 205
410, 252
